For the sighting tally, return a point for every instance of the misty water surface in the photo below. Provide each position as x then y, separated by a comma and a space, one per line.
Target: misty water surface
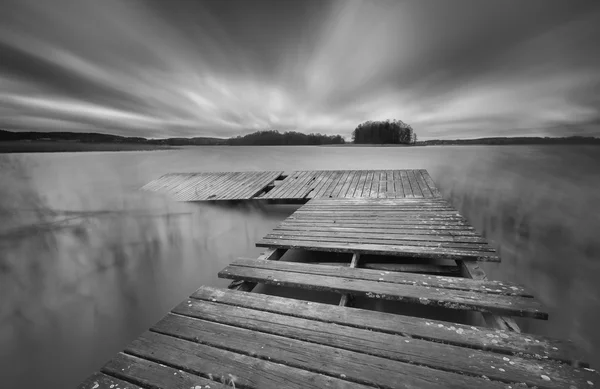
88, 262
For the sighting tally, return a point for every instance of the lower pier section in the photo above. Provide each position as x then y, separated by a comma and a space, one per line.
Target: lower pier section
226, 338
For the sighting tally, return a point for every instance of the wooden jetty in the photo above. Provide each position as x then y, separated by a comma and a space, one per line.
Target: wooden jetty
295, 187
219, 338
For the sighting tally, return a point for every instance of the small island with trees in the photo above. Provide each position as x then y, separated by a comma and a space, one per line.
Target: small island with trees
384, 132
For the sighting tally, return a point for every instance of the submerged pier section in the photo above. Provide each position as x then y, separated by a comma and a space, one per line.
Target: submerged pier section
219, 338
295, 187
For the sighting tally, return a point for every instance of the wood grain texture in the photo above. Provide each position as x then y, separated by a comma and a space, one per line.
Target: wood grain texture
425, 295
352, 366
438, 356
482, 338
441, 282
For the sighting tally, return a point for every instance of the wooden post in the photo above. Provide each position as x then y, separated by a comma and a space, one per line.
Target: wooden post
345, 300
470, 269
244, 286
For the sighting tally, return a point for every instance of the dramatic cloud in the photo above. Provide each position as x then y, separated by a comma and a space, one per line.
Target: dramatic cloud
220, 68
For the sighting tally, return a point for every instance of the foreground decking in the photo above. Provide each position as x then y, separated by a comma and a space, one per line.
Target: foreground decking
234, 338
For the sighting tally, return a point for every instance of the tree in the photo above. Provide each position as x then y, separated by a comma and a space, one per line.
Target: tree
394, 131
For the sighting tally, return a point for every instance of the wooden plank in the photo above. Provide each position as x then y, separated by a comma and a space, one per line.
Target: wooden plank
156, 375
269, 254
481, 338
247, 371
103, 381
401, 224
413, 184
336, 176
340, 184
473, 271
202, 180
322, 187
349, 192
427, 178
425, 295
303, 186
381, 191
452, 283
317, 184
240, 185
206, 189
362, 177
346, 297
406, 184
422, 184
291, 184
373, 239
285, 186
233, 182
373, 229
379, 249
375, 185
258, 186
333, 362
390, 346
390, 190
424, 268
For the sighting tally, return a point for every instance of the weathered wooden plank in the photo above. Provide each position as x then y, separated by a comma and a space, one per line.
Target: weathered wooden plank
253, 189
422, 184
156, 375
452, 283
285, 186
345, 300
406, 184
103, 381
437, 356
424, 268
467, 235
371, 239
269, 254
361, 184
322, 186
382, 191
292, 183
334, 362
482, 338
353, 184
375, 185
337, 176
320, 177
197, 183
234, 183
380, 249
430, 183
400, 224
205, 191
305, 186
452, 299
346, 175
413, 184
473, 271
246, 371
240, 185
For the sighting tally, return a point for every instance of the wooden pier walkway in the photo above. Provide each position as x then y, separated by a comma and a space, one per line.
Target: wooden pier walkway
223, 338
295, 187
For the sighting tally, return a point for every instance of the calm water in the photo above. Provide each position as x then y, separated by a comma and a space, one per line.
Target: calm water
87, 262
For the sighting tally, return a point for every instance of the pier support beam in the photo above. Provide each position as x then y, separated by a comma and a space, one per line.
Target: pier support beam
347, 298
470, 269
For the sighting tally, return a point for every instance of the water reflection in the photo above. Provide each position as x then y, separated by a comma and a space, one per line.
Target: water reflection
88, 262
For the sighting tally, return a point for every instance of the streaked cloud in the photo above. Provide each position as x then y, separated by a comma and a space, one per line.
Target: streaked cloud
213, 68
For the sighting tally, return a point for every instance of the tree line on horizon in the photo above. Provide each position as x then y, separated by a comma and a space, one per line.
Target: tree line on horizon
387, 131
273, 137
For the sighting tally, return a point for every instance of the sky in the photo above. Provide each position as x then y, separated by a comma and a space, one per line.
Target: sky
451, 69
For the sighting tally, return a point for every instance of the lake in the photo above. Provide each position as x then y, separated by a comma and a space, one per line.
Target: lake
88, 262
